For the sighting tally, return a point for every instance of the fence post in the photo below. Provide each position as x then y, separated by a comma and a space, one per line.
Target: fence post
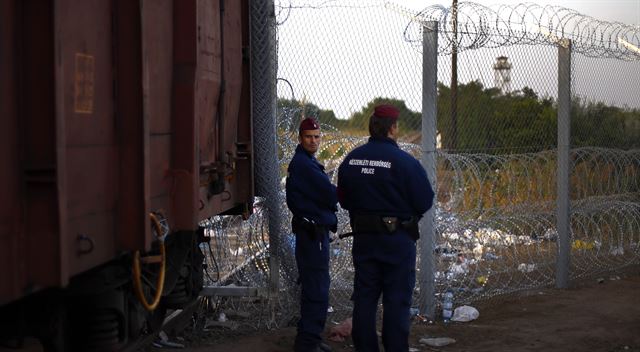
426, 280
265, 147
563, 212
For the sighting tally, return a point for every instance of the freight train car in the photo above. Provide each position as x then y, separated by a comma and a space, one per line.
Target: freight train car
124, 124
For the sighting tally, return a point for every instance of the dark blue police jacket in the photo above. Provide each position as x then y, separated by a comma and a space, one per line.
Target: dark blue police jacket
310, 194
379, 178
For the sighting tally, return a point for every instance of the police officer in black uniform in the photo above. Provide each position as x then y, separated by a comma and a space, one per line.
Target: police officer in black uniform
312, 200
386, 192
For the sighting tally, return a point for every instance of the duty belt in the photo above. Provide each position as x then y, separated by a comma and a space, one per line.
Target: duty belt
376, 224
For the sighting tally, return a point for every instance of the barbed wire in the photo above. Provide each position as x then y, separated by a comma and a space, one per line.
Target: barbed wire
478, 258
495, 226
480, 26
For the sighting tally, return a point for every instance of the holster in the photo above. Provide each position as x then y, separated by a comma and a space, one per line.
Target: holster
412, 227
384, 225
304, 225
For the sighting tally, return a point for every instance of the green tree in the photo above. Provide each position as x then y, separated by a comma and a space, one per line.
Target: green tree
597, 124
476, 118
295, 110
489, 120
408, 121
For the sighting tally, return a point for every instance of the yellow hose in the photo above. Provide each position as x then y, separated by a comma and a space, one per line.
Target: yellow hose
137, 284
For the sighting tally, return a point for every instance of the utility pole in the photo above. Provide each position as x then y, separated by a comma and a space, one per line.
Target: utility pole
454, 78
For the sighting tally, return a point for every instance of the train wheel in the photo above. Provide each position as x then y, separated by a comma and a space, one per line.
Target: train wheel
102, 332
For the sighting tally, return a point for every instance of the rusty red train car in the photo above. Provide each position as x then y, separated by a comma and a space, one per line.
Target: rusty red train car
122, 122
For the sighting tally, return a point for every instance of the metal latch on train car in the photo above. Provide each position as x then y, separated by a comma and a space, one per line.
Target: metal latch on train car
213, 175
243, 152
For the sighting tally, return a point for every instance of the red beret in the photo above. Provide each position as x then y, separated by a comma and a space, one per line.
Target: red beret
387, 111
308, 124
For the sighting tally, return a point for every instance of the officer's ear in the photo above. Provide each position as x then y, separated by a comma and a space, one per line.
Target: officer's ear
393, 131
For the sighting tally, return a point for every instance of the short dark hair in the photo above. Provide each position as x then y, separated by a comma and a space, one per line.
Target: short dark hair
379, 127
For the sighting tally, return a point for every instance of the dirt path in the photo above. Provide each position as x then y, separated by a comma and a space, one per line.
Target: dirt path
594, 317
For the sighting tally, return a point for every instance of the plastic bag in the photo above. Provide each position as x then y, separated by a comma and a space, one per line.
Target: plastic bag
465, 313
437, 341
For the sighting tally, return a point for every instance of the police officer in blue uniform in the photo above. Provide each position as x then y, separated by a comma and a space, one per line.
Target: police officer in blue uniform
386, 192
312, 200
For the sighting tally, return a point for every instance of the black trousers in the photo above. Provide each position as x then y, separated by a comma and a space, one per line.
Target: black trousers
312, 259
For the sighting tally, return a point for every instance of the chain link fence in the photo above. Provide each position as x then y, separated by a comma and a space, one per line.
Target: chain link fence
496, 225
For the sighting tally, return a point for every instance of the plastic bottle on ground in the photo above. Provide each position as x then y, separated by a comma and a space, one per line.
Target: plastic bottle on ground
447, 306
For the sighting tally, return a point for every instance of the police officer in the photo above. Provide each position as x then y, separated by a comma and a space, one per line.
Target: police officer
312, 200
386, 192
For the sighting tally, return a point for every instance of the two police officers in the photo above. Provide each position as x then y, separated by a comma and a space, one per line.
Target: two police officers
312, 200
386, 192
